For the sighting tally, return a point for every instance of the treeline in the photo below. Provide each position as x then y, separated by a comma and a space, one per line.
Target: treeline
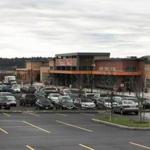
12, 63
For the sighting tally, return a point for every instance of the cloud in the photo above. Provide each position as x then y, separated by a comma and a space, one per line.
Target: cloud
47, 27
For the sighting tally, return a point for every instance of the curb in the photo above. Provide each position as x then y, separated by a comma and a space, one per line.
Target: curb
119, 126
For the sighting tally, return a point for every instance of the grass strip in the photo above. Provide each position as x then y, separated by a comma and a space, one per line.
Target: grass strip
123, 120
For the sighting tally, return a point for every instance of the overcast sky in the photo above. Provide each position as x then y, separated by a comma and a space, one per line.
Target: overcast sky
47, 27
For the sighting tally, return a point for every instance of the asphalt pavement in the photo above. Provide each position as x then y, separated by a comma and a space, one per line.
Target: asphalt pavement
65, 131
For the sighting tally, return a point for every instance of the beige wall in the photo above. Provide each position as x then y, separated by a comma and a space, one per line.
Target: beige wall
147, 71
34, 65
44, 73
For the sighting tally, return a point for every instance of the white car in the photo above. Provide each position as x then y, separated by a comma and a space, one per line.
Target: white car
54, 97
87, 103
126, 106
16, 88
11, 100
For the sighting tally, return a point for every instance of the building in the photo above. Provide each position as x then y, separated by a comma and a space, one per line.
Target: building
74, 69
89, 70
146, 71
31, 73
117, 73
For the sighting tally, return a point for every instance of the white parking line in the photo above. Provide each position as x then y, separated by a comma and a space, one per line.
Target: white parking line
29, 147
61, 114
88, 114
32, 114
39, 128
7, 115
87, 147
4, 131
71, 125
139, 145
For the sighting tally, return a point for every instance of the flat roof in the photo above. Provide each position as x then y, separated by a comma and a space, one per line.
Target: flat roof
118, 59
83, 54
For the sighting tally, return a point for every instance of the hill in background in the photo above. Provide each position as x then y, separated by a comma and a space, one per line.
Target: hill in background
13, 63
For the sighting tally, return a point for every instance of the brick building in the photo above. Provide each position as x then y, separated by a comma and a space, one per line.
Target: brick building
94, 69
89, 70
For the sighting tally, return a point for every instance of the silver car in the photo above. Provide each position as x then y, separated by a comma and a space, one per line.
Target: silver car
126, 106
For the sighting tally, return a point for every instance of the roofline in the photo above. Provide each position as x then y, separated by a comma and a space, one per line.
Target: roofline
42, 61
120, 59
84, 54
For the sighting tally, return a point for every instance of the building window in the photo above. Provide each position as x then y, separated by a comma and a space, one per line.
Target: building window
131, 69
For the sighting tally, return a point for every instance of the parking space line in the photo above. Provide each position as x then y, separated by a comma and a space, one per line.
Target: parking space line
61, 114
29, 147
139, 145
39, 128
7, 115
87, 147
32, 114
88, 114
71, 125
4, 131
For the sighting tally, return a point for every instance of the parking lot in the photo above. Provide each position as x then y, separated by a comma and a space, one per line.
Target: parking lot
65, 131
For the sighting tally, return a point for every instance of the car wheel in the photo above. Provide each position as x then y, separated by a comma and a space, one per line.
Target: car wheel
8, 108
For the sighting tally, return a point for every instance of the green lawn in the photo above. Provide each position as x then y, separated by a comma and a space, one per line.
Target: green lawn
124, 120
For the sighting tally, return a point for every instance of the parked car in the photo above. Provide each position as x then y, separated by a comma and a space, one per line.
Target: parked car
65, 102
99, 103
6, 94
4, 103
65, 92
43, 103
107, 102
126, 106
47, 90
16, 88
54, 98
5, 88
28, 100
85, 103
146, 104
11, 100
89, 95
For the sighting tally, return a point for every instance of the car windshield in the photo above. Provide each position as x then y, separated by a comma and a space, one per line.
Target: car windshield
3, 98
44, 100
54, 95
49, 89
30, 96
66, 99
90, 95
75, 91
128, 102
16, 86
12, 98
86, 100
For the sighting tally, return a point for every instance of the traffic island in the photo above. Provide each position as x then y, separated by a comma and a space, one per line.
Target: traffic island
123, 122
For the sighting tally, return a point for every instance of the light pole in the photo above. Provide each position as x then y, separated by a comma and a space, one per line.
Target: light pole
92, 77
31, 75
